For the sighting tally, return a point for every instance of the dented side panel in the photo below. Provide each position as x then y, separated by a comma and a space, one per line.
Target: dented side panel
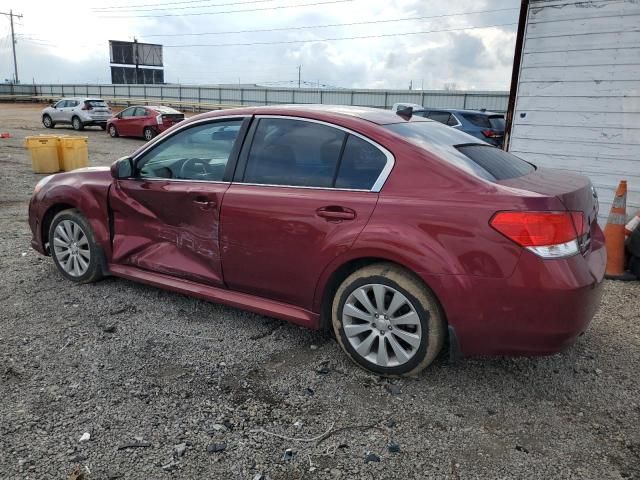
168, 226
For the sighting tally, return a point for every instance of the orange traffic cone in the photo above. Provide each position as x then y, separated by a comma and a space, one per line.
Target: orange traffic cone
614, 236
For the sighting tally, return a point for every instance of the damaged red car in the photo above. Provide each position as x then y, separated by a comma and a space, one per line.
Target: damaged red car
396, 232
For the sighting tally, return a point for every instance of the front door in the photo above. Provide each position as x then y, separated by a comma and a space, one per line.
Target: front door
126, 122
304, 192
166, 218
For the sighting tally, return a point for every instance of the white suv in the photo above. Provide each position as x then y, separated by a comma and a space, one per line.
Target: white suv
79, 112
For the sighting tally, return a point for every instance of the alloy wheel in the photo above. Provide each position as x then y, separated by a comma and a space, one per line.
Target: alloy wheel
71, 248
148, 134
382, 325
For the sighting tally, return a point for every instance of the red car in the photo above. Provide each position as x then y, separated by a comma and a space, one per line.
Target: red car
145, 122
397, 232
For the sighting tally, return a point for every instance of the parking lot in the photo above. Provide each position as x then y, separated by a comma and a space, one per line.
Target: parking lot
167, 386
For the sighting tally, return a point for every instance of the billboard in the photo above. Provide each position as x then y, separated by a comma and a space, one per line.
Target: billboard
131, 75
129, 58
135, 53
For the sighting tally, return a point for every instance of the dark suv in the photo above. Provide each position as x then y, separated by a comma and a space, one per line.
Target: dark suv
487, 126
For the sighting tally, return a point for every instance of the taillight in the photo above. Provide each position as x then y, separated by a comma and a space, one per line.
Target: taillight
159, 119
547, 234
491, 133
87, 106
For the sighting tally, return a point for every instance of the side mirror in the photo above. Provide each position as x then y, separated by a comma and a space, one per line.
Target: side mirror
122, 168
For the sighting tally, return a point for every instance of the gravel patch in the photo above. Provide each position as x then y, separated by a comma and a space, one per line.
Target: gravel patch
120, 380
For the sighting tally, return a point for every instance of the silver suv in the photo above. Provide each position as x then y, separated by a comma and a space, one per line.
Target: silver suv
80, 112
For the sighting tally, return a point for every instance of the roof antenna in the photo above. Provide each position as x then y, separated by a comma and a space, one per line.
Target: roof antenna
405, 113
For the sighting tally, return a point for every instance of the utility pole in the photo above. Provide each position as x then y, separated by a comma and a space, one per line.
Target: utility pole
135, 56
299, 75
13, 44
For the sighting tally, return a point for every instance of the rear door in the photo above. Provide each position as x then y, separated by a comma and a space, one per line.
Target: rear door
302, 193
166, 217
139, 121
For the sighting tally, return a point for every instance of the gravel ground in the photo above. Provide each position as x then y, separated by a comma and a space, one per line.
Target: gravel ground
165, 386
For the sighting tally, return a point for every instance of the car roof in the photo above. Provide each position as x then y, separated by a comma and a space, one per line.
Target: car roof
460, 110
373, 115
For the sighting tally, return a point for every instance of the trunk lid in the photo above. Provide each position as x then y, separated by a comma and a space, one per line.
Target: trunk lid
574, 191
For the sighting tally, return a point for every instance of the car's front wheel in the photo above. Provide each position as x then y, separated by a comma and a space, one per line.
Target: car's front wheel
73, 247
47, 121
113, 132
387, 320
77, 124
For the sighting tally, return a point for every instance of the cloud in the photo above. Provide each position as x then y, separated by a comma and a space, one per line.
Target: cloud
476, 58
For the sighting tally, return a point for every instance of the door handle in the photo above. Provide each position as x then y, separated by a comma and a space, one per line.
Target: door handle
204, 201
336, 213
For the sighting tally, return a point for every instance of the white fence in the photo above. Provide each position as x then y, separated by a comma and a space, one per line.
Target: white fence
256, 95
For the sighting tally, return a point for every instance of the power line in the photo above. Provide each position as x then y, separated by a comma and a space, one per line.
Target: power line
329, 25
282, 42
277, 7
128, 9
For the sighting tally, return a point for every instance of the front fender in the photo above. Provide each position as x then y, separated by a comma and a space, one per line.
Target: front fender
86, 192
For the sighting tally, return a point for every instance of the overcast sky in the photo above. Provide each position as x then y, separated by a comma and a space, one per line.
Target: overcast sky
65, 41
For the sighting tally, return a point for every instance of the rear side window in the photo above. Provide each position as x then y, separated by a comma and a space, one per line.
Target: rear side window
478, 119
500, 164
442, 117
463, 150
361, 164
140, 112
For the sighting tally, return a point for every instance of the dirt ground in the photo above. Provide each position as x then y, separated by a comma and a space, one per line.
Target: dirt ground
165, 386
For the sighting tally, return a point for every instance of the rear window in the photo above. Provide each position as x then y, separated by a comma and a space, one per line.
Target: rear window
462, 150
497, 122
96, 103
500, 164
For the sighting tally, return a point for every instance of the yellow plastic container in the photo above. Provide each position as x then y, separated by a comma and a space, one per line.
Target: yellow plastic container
75, 153
60, 152
44, 153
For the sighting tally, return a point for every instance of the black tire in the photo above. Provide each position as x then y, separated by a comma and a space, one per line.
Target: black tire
148, 133
94, 270
431, 319
47, 121
113, 131
77, 124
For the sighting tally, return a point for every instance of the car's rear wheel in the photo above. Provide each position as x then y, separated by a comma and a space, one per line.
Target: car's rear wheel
113, 132
387, 321
148, 133
47, 121
77, 124
73, 247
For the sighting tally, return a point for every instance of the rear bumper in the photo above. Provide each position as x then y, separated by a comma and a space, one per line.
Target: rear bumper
539, 310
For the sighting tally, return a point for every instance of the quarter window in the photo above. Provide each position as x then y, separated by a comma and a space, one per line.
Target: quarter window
197, 153
361, 164
294, 153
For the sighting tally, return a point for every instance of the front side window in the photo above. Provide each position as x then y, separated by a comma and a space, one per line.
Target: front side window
197, 153
127, 112
293, 153
60, 104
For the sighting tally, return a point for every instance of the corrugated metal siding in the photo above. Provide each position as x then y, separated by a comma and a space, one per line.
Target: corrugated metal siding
578, 99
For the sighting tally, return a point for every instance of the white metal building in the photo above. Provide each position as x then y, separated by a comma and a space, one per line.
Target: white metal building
575, 101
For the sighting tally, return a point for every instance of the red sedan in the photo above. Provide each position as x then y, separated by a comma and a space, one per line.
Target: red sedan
396, 232
145, 122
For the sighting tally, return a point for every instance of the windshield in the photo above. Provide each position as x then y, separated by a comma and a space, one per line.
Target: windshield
463, 151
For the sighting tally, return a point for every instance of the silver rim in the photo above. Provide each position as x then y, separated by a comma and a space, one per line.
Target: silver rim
47, 121
76, 123
382, 325
71, 248
148, 134
112, 131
